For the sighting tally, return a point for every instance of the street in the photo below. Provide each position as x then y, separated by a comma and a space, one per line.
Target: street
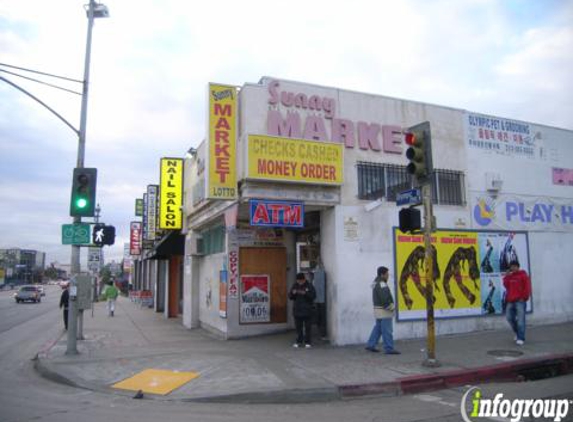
25, 329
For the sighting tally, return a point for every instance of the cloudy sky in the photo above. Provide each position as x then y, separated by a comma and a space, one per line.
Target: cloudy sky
152, 60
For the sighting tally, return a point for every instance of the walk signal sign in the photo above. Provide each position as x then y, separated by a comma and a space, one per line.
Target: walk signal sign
103, 235
419, 140
82, 203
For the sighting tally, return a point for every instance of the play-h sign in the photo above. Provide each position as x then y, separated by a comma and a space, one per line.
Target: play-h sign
276, 213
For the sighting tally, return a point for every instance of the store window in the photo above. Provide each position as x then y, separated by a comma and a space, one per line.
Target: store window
213, 240
377, 180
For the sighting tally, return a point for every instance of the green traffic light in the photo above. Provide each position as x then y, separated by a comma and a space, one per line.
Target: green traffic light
81, 203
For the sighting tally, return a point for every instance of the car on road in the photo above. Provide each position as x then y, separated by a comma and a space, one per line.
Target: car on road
42, 290
28, 293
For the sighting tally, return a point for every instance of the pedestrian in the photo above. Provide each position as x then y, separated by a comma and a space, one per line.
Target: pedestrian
517, 292
64, 303
111, 294
383, 313
302, 294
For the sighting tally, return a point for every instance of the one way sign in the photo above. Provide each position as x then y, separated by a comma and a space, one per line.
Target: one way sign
103, 235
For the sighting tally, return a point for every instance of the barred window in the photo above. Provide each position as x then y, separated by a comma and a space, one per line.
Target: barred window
387, 180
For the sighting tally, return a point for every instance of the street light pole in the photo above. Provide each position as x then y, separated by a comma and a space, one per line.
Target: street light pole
75, 258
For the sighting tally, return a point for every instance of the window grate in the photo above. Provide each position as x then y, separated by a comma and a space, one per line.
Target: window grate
387, 180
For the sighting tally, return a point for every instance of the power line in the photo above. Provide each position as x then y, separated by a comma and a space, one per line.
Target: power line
42, 73
40, 82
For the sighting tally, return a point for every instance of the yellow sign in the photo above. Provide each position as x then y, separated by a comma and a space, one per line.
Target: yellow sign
295, 160
171, 194
156, 381
222, 141
457, 282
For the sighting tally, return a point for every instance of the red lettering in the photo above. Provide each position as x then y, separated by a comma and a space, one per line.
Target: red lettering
222, 123
223, 111
261, 214
221, 136
293, 215
222, 150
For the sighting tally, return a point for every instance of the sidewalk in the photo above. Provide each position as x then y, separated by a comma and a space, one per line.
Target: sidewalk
268, 369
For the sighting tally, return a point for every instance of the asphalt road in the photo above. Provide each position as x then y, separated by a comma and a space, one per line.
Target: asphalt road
25, 396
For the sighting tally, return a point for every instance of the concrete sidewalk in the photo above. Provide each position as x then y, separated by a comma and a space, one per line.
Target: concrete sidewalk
268, 369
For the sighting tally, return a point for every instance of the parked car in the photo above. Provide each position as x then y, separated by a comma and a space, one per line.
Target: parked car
31, 293
42, 290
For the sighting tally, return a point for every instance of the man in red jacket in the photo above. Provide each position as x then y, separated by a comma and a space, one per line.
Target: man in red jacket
517, 292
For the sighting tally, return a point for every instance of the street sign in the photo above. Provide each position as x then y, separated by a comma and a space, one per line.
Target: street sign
76, 234
409, 197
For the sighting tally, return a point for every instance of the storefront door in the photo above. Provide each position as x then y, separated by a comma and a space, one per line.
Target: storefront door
272, 262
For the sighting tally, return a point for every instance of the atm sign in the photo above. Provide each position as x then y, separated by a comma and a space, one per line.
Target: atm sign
276, 213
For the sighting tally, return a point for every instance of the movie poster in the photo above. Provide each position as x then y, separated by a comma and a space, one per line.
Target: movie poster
468, 269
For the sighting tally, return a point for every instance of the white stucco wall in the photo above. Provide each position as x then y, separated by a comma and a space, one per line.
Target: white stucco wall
351, 263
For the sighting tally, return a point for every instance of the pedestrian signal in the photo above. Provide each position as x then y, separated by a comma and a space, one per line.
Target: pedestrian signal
103, 235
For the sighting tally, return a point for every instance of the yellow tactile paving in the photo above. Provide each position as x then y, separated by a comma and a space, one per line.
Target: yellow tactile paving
156, 381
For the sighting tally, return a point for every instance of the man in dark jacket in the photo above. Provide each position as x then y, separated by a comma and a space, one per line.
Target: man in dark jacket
383, 313
64, 302
517, 292
303, 294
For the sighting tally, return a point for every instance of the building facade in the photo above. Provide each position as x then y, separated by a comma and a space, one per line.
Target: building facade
303, 178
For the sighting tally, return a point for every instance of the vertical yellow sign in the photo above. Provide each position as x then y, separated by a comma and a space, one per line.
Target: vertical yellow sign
171, 193
222, 162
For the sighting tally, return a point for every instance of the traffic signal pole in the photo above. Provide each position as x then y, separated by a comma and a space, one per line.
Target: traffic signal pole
429, 260
75, 257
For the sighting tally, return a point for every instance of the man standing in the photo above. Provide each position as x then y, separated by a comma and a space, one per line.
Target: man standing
303, 295
64, 303
517, 292
111, 293
383, 312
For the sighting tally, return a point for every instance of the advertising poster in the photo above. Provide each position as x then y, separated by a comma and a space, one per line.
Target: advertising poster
468, 270
223, 277
255, 299
221, 177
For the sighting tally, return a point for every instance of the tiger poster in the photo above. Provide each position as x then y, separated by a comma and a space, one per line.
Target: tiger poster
468, 267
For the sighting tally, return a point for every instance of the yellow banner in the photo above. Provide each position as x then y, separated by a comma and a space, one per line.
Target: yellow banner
171, 193
222, 163
295, 160
457, 285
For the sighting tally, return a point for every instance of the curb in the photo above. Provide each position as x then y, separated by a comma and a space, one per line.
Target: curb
529, 369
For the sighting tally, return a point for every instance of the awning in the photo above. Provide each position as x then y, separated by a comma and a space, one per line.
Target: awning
172, 244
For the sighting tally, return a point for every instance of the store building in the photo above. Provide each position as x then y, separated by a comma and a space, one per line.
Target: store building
296, 177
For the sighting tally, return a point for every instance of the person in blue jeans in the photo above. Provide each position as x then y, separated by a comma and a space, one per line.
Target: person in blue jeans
383, 312
517, 292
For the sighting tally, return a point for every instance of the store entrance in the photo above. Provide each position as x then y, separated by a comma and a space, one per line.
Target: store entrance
271, 262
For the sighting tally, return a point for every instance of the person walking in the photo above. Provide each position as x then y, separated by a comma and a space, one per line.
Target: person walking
111, 293
383, 313
517, 292
302, 294
64, 303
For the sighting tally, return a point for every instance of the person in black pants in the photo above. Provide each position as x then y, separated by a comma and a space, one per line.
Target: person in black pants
64, 303
302, 294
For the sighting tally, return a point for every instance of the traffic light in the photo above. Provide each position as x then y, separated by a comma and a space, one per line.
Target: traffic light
409, 219
103, 235
82, 203
419, 153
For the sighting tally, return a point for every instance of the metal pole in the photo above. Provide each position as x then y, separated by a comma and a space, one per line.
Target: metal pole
428, 220
75, 258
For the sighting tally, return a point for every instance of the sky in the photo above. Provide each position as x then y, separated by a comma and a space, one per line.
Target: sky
152, 60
